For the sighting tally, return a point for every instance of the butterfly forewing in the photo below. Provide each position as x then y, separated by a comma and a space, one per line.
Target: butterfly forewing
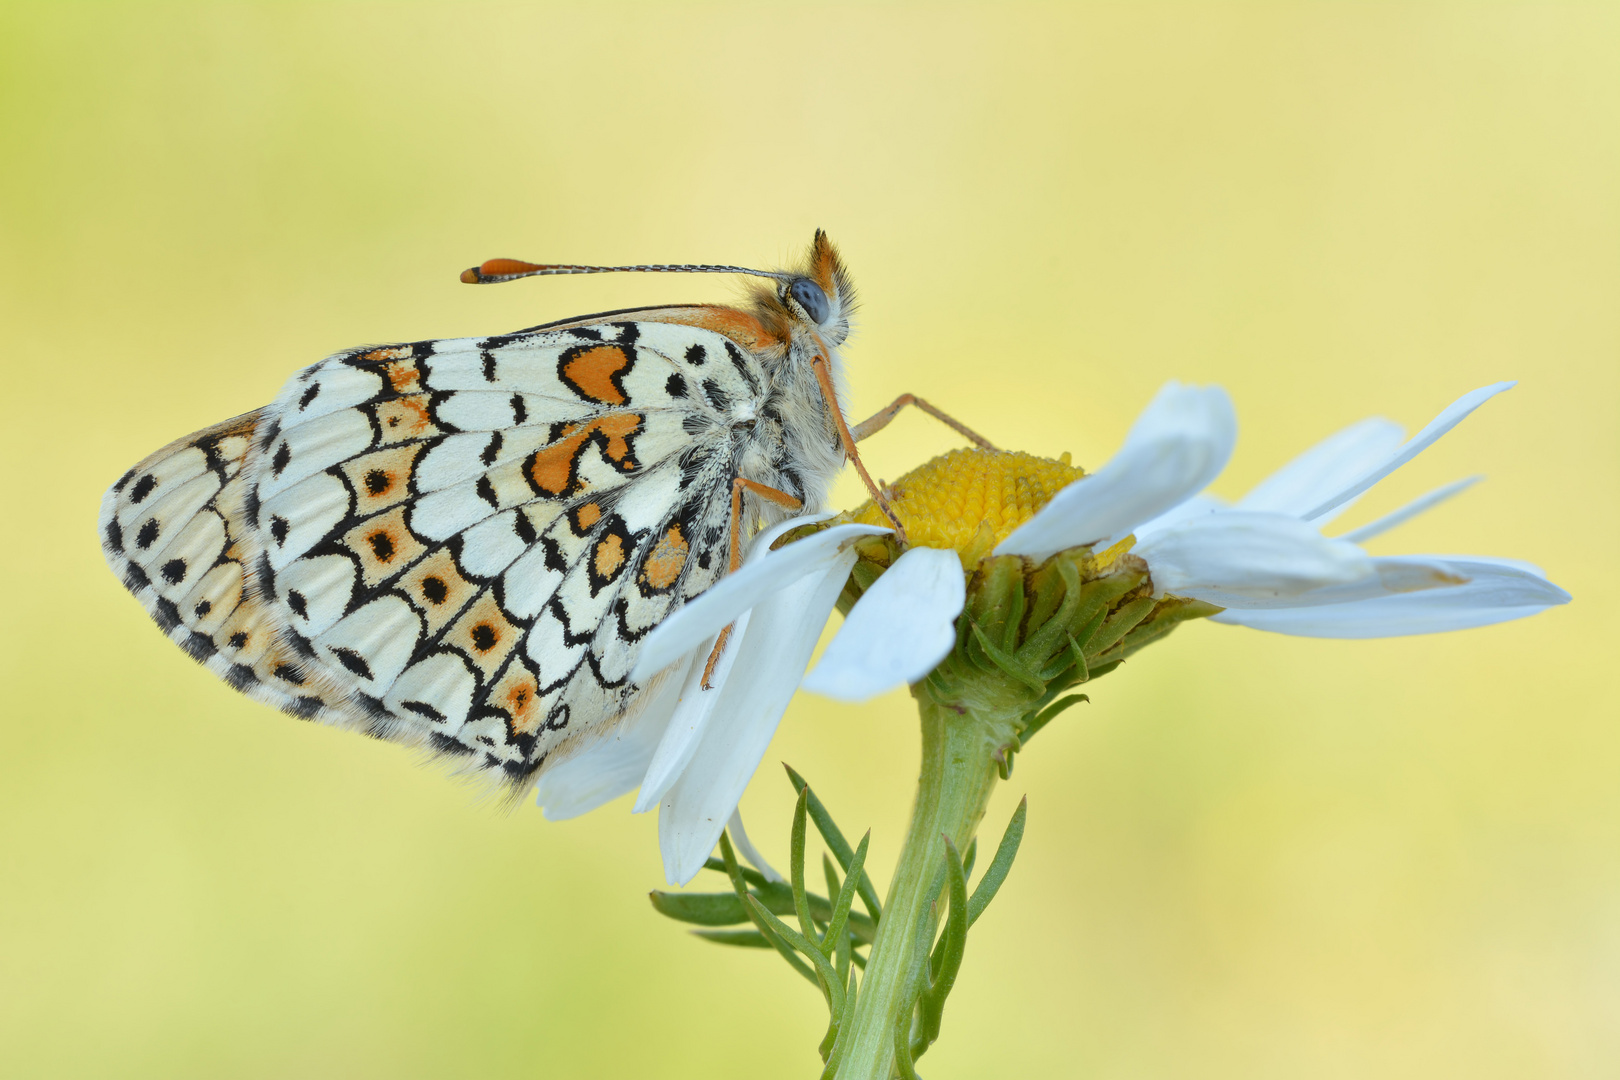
454, 543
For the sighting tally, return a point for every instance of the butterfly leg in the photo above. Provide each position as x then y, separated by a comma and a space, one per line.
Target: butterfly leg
738, 486
829, 393
880, 420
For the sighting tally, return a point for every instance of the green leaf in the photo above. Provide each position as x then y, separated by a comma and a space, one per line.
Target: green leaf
836, 926
996, 872
835, 840
704, 909
947, 958
801, 902
748, 939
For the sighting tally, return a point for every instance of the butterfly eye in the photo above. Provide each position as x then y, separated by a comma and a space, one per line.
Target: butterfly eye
811, 298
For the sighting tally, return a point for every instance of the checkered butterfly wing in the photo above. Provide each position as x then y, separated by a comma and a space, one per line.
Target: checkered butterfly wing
458, 544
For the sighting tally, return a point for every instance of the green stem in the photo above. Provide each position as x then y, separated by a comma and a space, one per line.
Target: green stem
957, 776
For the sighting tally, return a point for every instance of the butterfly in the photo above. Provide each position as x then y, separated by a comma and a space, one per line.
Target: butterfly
459, 544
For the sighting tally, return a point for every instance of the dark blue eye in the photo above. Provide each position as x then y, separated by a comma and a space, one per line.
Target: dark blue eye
811, 298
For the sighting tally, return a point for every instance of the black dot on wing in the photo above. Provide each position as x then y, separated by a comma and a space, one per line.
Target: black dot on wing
435, 590
308, 396
382, 545
203, 608
143, 487
174, 571
393, 421
676, 386
238, 640
278, 530
377, 482
280, 461
296, 601
695, 355
483, 637
524, 528
148, 534
520, 410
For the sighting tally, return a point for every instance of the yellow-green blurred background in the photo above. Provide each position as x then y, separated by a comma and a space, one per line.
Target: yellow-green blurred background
1250, 857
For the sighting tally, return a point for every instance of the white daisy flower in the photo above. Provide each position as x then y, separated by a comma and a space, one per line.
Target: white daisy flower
1264, 560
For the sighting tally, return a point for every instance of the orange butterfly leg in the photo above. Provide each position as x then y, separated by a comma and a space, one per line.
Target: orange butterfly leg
738, 486
830, 394
880, 420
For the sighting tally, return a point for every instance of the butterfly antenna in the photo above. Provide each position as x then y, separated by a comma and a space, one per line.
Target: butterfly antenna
511, 269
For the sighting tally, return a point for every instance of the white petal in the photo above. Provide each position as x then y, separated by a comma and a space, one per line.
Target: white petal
746, 848
902, 627
1498, 590
781, 636
1177, 446
1326, 468
691, 716
1197, 506
762, 574
1242, 559
1410, 510
1449, 417
614, 763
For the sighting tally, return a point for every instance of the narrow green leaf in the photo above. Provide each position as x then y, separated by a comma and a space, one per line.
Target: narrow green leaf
704, 909
835, 840
947, 957
836, 1053
801, 903
836, 926
996, 872
969, 856
748, 939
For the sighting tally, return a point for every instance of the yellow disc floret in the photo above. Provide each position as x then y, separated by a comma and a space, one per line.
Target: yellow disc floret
970, 500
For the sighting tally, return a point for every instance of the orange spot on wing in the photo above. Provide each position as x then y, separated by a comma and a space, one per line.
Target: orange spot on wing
609, 556
519, 695
588, 515
554, 468
668, 556
591, 373
403, 377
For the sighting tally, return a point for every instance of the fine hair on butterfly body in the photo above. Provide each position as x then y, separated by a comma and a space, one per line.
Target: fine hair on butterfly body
459, 544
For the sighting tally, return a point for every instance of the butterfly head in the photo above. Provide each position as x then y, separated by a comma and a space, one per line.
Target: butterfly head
817, 297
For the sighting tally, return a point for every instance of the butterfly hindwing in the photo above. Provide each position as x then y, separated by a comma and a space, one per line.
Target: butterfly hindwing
454, 543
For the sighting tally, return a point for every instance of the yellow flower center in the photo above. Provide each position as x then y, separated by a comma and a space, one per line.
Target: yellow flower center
970, 500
